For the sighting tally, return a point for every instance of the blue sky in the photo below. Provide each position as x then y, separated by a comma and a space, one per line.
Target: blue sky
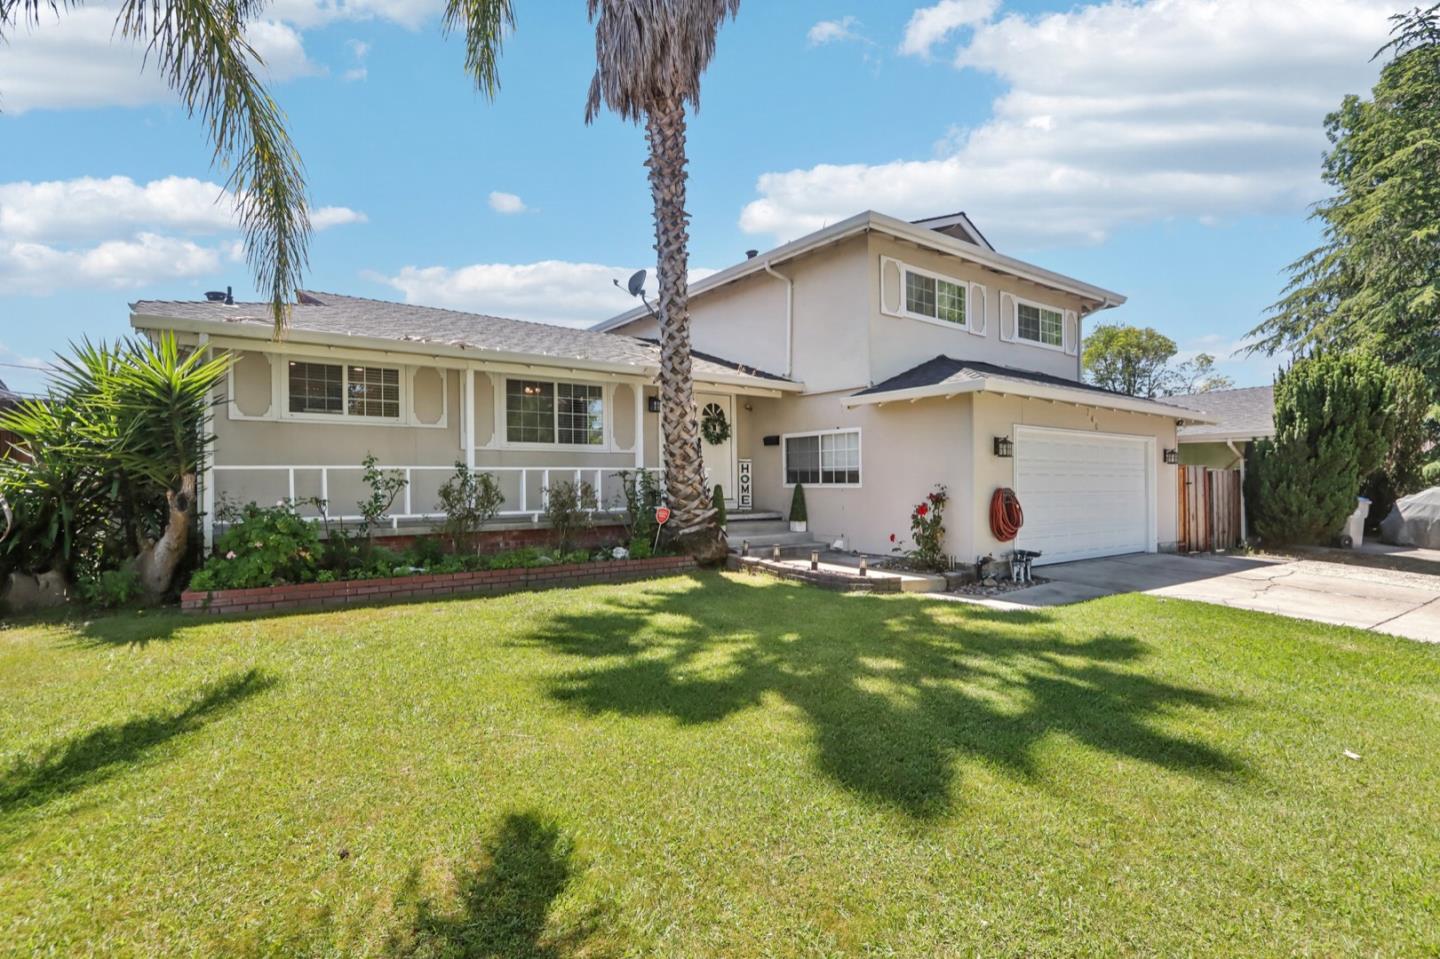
1167, 149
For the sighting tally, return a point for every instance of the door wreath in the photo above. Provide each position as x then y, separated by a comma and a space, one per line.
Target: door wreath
714, 427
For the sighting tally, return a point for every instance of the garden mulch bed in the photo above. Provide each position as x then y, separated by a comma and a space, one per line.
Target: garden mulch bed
270, 599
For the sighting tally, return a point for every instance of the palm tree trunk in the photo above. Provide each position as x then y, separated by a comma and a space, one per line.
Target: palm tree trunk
158, 561
684, 469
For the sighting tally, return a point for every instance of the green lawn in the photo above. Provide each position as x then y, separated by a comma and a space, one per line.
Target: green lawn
718, 766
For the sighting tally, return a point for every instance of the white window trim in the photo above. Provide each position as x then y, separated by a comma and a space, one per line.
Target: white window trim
1015, 302
902, 311
785, 456
502, 430
344, 415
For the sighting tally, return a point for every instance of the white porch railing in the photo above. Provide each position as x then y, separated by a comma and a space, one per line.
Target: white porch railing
527, 502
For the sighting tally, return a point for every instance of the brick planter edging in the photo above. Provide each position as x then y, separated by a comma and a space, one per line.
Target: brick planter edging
490, 582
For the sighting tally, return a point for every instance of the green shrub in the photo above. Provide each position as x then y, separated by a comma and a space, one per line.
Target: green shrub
109, 589
1335, 424
385, 487
717, 499
642, 497
567, 512
640, 548
1431, 473
469, 500
797, 505
261, 546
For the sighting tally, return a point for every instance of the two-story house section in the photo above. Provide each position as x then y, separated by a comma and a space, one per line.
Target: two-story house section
923, 356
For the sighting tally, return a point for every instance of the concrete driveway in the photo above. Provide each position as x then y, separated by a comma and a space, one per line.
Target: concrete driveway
1386, 601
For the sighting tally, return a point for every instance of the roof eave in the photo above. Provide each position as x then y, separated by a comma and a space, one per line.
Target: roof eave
1038, 391
1231, 436
255, 331
870, 220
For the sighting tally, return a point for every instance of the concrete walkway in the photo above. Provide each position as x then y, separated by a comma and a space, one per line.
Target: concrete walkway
1386, 601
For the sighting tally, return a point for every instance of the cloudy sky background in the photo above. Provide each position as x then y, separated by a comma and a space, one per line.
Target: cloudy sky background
1168, 149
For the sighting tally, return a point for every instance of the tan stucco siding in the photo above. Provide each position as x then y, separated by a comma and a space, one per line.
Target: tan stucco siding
905, 450
898, 343
996, 415
1217, 456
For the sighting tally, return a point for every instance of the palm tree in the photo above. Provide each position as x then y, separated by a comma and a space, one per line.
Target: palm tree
200, 47
649, 57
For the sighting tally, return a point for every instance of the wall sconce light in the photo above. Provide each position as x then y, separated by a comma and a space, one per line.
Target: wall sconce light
1004, 447
1172, 457
653, 404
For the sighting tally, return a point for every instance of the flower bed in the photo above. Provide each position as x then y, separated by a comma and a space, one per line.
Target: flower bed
267, 599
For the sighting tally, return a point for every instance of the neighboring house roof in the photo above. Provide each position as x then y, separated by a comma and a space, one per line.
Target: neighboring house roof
945, 376
7, 395
920, 235
1242, 414
337, 320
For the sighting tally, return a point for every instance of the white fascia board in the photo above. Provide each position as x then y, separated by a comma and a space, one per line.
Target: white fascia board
1242, 436
261, 333
1037, 391
919, 235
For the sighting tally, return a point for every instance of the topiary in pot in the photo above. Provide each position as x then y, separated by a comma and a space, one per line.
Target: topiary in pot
797, 510
718, 501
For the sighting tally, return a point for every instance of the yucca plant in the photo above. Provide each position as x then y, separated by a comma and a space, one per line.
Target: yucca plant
115, 452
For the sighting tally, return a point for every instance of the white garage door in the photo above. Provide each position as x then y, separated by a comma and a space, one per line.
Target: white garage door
1084, 494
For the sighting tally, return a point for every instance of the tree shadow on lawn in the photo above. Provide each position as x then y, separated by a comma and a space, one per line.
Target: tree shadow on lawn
894, 689
98, 754
503, 904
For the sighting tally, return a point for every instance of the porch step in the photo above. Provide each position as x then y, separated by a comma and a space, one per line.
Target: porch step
791, 544
753, 516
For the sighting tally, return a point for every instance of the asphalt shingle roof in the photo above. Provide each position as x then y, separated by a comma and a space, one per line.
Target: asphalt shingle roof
946, 370
335, 313
7, 395
1249, 411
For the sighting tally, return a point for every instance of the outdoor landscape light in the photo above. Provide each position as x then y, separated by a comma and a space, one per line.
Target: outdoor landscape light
744, 547
814, 559
1004, 447
1172, 457
864, 566
775, 552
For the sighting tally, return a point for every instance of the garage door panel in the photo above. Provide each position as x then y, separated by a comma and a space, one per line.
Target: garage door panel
1084, 495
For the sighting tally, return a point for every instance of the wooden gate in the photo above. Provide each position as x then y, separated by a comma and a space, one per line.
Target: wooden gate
1210, 508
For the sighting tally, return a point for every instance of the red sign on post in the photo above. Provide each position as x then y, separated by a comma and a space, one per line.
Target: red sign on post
662, 515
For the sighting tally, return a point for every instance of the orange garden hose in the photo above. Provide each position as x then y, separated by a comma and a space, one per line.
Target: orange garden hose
1006, 516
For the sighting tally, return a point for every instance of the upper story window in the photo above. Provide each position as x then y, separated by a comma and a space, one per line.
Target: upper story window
567, 414
330, 389
823, 459
1039, 324
932, 297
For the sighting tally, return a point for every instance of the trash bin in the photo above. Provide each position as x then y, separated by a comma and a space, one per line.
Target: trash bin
1355, 525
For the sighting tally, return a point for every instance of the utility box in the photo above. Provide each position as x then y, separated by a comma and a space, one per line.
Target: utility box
1355, 525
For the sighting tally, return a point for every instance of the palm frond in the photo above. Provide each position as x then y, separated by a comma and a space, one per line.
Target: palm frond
486, 24
646, 50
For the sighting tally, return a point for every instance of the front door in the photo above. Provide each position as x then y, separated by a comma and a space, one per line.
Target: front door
719, 457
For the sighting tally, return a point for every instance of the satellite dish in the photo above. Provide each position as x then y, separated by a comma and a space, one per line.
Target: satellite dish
637, 283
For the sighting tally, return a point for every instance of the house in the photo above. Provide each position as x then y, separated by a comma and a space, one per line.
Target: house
8, 440
870, 361
1241, 416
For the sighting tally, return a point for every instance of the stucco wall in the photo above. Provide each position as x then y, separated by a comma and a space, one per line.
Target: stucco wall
905, 450
899, 343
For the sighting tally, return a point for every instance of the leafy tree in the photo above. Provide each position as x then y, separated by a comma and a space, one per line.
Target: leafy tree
1137, 360
1374, 282
649, 56
1335, 424
201, 49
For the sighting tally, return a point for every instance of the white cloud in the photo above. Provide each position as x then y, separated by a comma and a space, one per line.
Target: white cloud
307, 14
94, 208
1119, 113
833, 31
39, 269
359, 49
551, 291
506, 203
79, 60
931, 25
